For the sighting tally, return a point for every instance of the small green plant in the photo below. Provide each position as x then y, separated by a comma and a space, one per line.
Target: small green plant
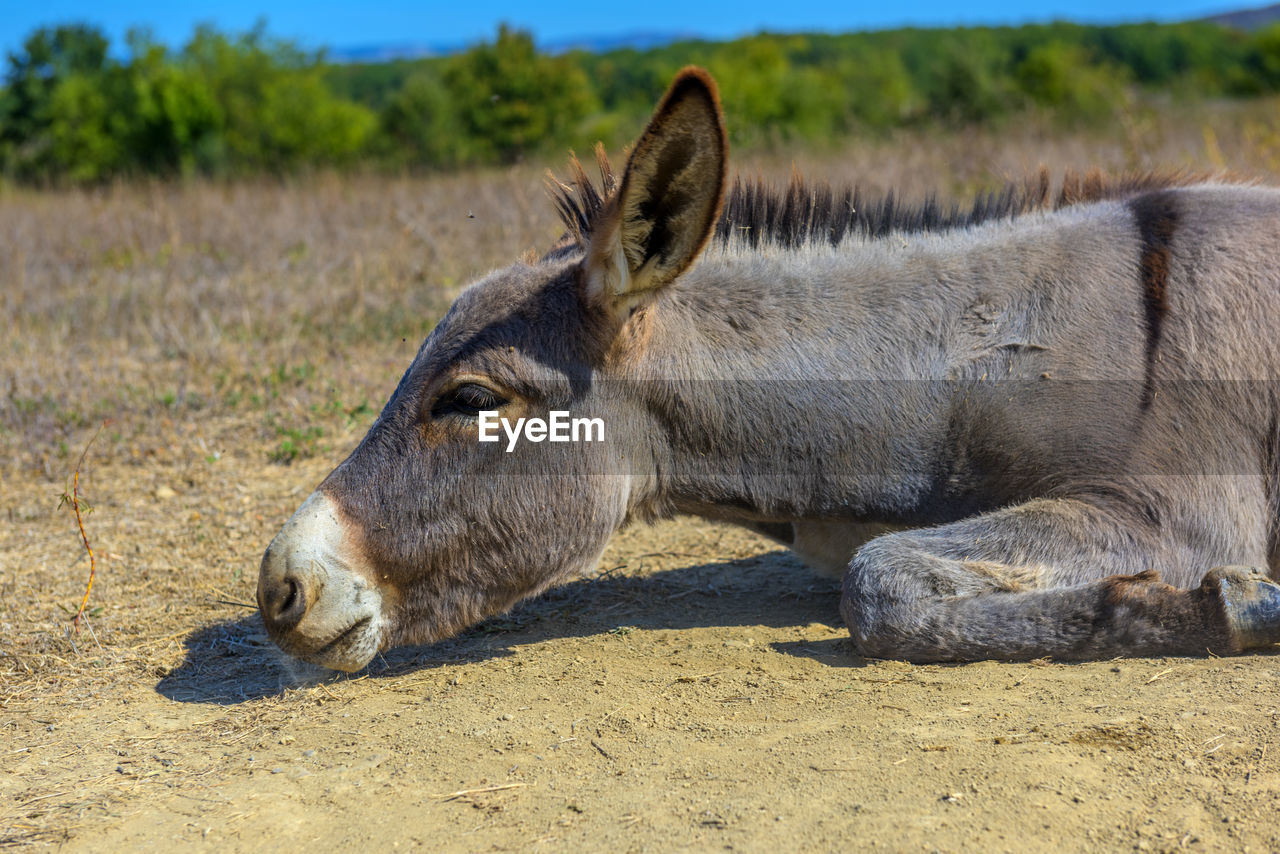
296, 443
291, 375
359, 413
351, 415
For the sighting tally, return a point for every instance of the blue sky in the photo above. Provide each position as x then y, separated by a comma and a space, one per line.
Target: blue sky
319, 23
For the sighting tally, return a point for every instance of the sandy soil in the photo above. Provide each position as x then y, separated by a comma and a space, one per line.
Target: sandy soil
699, 693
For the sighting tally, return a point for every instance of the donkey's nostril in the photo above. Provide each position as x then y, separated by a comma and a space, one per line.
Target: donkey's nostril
293, 600
286, 602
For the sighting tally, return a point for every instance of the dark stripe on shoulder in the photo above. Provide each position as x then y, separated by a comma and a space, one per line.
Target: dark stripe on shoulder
1156, 216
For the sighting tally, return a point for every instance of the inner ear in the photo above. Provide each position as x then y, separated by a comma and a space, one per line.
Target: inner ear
669, 198
665, 208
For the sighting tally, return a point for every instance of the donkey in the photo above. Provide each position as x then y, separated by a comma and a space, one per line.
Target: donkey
1041, 426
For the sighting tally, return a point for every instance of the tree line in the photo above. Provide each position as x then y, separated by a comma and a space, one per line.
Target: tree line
73, 110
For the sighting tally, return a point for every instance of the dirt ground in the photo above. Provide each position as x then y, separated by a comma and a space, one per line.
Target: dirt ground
698, 693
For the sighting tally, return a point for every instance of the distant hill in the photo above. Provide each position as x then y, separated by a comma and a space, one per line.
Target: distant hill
1241, 19
635, 40
1247, 19
390, 51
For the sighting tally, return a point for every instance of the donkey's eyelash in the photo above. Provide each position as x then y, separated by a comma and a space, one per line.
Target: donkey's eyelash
469, 400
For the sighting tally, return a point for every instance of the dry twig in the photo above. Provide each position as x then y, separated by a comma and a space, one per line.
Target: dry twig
462, 793
74, 500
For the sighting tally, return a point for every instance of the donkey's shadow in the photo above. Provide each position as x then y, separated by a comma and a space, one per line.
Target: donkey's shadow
232, 661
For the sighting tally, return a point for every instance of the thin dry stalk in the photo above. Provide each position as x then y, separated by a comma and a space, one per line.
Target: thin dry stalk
74, 500
463, 793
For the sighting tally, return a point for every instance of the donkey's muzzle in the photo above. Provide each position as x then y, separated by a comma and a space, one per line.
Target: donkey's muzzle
282, 600
317, 597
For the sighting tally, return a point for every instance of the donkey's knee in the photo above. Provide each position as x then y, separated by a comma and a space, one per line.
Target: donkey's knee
881, 601
899, 588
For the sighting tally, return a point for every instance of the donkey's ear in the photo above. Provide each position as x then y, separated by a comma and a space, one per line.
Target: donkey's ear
668, 201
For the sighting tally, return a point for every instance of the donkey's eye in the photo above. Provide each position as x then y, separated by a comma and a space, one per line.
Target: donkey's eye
469, 399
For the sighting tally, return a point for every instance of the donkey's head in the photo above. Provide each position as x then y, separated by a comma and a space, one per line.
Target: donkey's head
425, 529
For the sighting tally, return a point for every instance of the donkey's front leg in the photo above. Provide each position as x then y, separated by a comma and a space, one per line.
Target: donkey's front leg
1060, 578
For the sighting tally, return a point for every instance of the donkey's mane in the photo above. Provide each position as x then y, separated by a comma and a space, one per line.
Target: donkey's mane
760, 213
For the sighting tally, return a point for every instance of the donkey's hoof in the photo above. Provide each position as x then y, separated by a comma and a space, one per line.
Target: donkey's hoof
1252, 604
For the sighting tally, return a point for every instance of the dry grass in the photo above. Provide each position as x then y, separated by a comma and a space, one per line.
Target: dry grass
229, 331
158, 300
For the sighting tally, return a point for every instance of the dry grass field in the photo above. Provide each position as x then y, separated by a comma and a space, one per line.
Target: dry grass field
698, 694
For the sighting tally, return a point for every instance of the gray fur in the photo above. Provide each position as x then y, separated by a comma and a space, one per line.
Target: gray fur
995, 427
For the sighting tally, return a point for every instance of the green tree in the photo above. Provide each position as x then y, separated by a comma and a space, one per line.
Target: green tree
509, 99
1062, 77
178, 120
302, 123
1260, 70
56, 103
86, 134
276, 113
966, 84
421, 123
880, 88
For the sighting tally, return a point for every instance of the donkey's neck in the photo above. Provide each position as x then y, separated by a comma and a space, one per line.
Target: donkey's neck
819, 383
